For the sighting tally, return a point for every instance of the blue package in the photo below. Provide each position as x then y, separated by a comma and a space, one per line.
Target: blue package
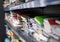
7, 40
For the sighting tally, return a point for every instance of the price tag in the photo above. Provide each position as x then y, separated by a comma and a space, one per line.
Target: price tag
20, 6
32, 3
24, 5
28, 5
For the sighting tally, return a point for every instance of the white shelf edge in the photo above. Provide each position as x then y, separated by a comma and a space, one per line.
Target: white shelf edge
34, 4
53, 3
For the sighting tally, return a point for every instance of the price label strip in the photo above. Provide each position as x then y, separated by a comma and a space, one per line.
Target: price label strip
28, 6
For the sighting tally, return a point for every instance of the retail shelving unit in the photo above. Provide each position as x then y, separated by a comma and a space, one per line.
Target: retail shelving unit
32, 6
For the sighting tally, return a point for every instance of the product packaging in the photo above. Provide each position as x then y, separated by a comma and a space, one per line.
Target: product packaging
38, 35
7, 40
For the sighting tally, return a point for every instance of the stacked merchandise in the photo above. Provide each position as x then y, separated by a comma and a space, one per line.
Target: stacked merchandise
33, 29
6, 3
39, 33
16, 2
51, 26
36, 27
11, 37
12, 3
29, 25
14, 20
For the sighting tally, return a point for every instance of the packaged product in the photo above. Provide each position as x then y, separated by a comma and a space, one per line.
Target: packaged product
7, 40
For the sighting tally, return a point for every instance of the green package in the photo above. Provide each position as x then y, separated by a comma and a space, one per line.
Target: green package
40, 19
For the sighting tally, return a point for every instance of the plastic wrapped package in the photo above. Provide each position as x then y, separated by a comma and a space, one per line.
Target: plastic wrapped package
20, 19
52, 28
55, 27
7, 40
25, 27
56, 30
23, 19
40, 21
31, 31
58, 21
47, 26
8, 32
17, 40
15, 20
40, 37
35, 27
15, 3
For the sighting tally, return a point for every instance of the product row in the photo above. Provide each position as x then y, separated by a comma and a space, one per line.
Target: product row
40, 27
11, 36
11, 3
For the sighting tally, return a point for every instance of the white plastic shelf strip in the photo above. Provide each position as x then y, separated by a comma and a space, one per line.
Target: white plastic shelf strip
22, 6
52, 2
36, 3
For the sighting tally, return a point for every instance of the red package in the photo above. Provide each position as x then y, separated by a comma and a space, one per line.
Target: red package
53, 22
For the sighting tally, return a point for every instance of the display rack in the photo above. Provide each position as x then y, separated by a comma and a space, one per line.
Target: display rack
37, 7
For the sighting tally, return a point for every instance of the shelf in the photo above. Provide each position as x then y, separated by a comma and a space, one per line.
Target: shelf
6, 9
21, 34
34, 4
52, 2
